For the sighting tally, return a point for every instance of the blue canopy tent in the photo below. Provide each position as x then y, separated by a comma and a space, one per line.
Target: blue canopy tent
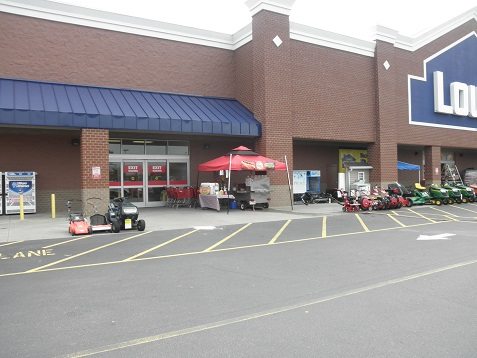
408, 166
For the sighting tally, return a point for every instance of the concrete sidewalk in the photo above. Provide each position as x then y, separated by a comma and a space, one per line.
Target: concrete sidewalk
42, 226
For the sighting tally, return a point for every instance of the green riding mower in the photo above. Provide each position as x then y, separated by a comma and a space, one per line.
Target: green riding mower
419, 195
455, 196
439, 195
468, 194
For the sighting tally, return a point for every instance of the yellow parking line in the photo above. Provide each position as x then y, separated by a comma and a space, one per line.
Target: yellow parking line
87, 252
226, 238
422, 216
394, 212
279, 232
362, 222
396, 220
443, 211
66, 242
160, 245
10, 243
323, 228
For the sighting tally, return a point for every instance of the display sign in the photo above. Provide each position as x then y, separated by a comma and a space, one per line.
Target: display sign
16, 184
299, 181
96, 172
446, 95
157, 174
133, 174
349, 157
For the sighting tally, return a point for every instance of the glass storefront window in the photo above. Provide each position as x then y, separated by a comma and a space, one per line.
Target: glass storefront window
115, 146
178, 174
156, 173
133, 146
114, 193
156, 194
156, 147
135, 195
114, 174
133, 174
178, 148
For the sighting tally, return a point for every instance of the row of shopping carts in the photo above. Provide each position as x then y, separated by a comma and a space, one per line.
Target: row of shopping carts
182, 197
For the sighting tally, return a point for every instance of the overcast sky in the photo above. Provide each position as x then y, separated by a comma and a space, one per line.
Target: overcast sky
349, 17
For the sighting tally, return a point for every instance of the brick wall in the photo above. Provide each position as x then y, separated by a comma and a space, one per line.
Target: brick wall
48, 153
95, 154
52, 51
333, 94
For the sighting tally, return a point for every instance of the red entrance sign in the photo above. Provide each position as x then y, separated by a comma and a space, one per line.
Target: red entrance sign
157, 174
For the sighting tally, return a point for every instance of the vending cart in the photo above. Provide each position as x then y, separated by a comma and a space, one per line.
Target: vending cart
16, 184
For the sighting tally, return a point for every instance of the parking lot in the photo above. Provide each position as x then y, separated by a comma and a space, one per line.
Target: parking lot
361, 282
101, 249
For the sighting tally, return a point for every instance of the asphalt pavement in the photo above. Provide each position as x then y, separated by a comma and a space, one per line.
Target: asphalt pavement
41, 226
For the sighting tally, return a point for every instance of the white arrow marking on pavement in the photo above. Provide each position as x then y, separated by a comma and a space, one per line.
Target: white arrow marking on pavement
435, 237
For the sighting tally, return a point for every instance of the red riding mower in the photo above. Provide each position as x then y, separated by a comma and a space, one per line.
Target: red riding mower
350, 204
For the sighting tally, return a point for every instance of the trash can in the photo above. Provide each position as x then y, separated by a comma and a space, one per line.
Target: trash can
233, 204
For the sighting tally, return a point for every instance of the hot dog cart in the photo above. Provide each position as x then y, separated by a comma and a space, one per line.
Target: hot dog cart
254, 193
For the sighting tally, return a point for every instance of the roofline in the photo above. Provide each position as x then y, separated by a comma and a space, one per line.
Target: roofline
81, 16
415, 43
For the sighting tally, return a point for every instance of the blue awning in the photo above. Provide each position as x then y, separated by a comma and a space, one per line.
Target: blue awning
407, 166
62, 105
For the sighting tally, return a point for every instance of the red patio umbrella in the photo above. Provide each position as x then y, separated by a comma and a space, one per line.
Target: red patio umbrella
242, 158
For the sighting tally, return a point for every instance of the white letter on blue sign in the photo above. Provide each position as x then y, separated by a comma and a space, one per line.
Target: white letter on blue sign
439, 105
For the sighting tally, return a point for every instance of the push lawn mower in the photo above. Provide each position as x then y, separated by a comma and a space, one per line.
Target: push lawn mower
78, 225
98, 222
125, 213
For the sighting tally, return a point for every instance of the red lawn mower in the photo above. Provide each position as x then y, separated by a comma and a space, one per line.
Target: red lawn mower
78, 225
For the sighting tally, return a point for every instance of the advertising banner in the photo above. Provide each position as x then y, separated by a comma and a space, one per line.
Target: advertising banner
16, 184
157, 174
351, 157
299, 181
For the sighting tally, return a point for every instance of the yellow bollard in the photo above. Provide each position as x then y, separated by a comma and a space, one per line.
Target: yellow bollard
53, 206
22, 213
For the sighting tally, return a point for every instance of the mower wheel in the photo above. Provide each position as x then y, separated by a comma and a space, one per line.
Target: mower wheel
90, 230
115, 226
409, 203
242, 206
141, 225
438, 202
465, 200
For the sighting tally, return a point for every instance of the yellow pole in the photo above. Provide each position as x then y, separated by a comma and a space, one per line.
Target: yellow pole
53, 206
22, 213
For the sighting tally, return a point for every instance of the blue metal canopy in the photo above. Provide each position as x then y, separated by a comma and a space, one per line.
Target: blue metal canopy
407, 166
34, 103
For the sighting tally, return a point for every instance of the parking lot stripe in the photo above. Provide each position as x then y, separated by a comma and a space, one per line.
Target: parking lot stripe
160, 245
10, 243
422, 216
87, 252
323, 228
262, 314
396, 220
66, 242
226, 238
279, 232
443, 211
362, 222
461, 208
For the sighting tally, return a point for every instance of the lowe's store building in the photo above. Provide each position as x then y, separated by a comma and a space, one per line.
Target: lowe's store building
98, 103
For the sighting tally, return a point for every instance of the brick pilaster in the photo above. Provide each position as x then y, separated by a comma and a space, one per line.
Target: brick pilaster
95, 154
432, 168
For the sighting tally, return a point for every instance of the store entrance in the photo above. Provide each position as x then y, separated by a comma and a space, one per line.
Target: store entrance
144, 181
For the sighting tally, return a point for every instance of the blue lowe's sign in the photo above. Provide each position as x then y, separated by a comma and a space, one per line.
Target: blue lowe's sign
446, 96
